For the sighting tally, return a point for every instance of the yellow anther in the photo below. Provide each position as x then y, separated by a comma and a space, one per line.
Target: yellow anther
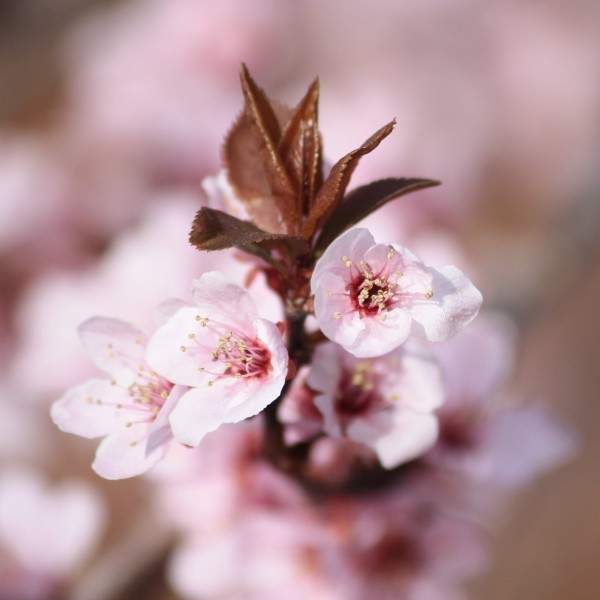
183, 348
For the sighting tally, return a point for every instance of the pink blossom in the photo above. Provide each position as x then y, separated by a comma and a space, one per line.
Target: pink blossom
134, 275
247, 531
370, 297
297, 411
46, 534
164, 107
384, 403
483, 434
131, 409
263, 556
404, 543
235, 361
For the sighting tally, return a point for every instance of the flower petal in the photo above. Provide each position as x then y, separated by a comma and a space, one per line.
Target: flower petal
395, 436
225, 300
160, 432
353, 245
116, 347
164, 353
455, 303
198, 412
165, 310
123, 454
92, 409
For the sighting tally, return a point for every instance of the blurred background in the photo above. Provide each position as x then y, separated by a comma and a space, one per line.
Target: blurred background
112, 112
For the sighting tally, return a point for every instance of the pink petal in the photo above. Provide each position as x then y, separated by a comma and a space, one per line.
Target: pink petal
91, 409
378, 336
353, 244
160, 432
223, 300
164, 352
418, 384
116, 347
165, 310
396, 437
454, 304
198, 412
123, 453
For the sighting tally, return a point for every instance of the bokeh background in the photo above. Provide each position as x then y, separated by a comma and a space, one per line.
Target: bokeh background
112, 112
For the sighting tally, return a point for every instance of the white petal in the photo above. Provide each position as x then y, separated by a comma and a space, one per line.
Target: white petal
123, 454
223, 299
92, 409
380, 336
198, 412
116, 347
164, 353
353, 244
395, 436
454, 304
165, 310
417, 380
160, 431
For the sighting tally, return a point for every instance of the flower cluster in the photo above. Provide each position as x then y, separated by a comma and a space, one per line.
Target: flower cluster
354, 387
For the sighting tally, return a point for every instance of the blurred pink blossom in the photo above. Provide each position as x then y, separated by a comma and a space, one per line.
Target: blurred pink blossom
46, 533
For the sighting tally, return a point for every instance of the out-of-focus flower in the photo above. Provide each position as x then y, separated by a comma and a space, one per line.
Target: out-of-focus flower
370, 297
484, 434
403, 543
165, 106
384, 403
46, 534
142, 267
235, 361
131, 409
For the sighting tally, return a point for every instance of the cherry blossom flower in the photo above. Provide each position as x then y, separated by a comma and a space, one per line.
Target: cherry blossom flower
131, 410
404, 543
235, 361
370, 297
46, 534
485, 435
384, 403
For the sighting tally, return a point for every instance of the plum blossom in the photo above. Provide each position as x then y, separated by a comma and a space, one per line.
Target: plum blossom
483, 434
46, 534
384, 403
131, 409
370, 297
235, 361
404, 543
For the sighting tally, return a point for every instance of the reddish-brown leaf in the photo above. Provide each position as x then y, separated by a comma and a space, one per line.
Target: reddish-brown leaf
300, 149
362, 201
267, 134
334, 187
215, 230
246, 173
